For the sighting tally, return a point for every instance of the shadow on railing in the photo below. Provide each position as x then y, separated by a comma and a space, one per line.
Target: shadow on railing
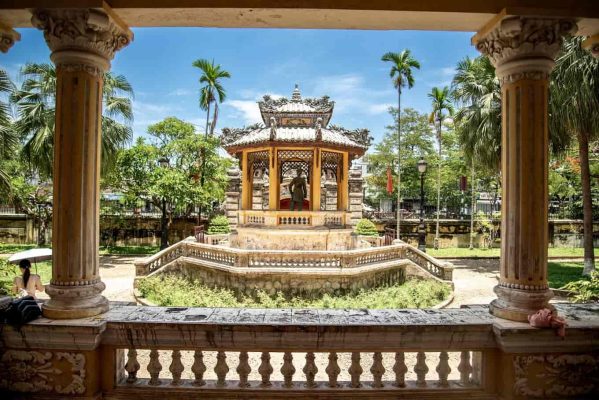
243, 258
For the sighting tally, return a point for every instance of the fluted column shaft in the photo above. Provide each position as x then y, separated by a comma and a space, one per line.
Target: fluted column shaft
83, 41
523, 51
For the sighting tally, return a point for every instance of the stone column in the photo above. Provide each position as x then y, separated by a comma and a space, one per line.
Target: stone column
523, 51
8, 37
232, 196
316, 175
273, 176
356, 195
83, 41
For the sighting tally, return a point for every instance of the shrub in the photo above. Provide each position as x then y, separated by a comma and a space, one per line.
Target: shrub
366, 227
586, 290
219, 225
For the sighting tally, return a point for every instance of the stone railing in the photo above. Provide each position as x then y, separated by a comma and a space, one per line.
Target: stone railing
440, 269
332, 219
178, 352
294, 259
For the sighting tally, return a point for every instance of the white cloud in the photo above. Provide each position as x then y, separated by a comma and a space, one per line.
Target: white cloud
181, 92
448, 71
247, 110
381, 108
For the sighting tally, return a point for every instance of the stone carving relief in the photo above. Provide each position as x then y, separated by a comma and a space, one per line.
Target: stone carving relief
35, 371
231, 135
8, 37
530, 37
567, 375
360, 136
322, 104
87, 30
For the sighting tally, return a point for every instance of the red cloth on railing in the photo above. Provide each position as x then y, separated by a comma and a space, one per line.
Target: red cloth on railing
545, 318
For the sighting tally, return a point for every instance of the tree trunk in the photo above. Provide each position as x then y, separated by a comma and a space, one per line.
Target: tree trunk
163, 227
587, 204
214, 118
472, 209
398, 162
436, 244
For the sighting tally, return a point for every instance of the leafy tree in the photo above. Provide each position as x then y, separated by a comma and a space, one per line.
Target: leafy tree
219, 225
440, 103
9, 140
574, 101
366, 227
401, 74
35, 102
212, 90
165, 171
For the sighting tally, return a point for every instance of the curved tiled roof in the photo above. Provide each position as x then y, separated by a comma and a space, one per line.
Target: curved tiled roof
294, 134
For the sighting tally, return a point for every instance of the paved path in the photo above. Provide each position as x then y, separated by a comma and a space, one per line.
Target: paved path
118, 273
474, 281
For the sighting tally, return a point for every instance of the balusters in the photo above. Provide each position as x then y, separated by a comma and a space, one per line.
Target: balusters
198, 368
221, 368
265, 369
333, 369
176, 367
243, 369
421, 369
132, 366
310, 370
154, 368
287, 369
377, 369
400, 369
465, 367
443, 369
355, 370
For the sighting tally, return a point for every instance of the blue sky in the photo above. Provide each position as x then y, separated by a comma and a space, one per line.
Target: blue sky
342, 64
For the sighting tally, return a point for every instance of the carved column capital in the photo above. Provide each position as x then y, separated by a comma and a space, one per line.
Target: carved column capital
86, 37
524, 48
592, 45
8, 37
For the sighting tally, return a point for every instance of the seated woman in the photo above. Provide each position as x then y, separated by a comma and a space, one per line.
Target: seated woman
27, 284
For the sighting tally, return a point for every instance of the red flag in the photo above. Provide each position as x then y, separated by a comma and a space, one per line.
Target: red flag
389, 181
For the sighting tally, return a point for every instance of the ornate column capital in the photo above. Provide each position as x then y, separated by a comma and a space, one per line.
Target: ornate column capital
523, 47
8, 37
592, 45
86, 36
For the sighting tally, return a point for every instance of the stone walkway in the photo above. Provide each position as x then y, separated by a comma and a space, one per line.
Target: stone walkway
474, 281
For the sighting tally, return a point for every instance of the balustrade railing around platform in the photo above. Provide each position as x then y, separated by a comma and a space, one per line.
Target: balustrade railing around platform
331, 219
251, 353
233, 257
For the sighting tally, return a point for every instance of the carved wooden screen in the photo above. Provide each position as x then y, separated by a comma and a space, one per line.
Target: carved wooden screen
258, 163
295, 159
330, 162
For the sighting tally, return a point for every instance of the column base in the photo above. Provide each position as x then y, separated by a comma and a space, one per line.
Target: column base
517, 304
72, 302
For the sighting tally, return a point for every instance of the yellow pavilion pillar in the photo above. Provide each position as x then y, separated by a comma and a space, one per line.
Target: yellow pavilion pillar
343, 188
246, 187
273, 180
315, 185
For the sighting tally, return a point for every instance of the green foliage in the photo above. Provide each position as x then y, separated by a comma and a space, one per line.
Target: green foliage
219, 225
561, 273
128, 250
176, 291
366, 227
211, 91
586, 289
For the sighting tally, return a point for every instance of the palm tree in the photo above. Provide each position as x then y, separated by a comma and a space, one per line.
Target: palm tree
441, 102
9, 140
212, 90
35, 102
476, 90
401, 74
574, 101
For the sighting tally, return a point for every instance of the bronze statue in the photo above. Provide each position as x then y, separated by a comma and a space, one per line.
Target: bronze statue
298, 192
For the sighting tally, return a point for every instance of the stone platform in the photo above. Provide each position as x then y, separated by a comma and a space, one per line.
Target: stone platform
296, 238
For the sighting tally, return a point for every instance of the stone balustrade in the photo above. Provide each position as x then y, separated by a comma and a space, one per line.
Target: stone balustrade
242, 258
286, 218
135, 352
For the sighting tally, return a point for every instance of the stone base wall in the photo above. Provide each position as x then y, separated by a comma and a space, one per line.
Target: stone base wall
311, 283
269, 238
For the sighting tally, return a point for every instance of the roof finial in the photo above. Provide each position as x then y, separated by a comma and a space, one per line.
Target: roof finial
296, 96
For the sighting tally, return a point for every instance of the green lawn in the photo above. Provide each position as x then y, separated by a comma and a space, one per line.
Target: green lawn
464, 252
104, 250
176, 291
560, 273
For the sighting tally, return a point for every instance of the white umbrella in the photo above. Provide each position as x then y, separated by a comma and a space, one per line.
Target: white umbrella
33, 255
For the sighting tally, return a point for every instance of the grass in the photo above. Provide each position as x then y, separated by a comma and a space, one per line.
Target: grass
9, 271
10, 248
176, 291
464, 252
560, 273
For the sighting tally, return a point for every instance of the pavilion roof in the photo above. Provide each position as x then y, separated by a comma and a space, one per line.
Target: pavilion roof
295, 120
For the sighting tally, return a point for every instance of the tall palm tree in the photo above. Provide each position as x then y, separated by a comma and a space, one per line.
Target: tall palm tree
212, 90
401, 74
9, 140
441, 102
476, 90
35, 102
574, 101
